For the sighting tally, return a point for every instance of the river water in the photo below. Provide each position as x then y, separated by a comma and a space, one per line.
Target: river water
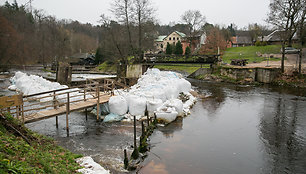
237, 129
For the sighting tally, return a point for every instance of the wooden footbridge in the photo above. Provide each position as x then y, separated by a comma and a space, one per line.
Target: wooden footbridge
44, 105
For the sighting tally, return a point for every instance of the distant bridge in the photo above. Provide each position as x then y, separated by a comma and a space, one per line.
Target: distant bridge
156, 59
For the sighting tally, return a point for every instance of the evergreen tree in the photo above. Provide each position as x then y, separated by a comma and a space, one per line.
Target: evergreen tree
187, 51
178, 48
168, 49
99, 56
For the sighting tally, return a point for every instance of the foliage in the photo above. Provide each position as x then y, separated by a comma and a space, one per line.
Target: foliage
250, 52
169, 49
187, 51
30, 36
107, 66
99, 57
42, 156
214, 40
178, 48
194, 19
260, 43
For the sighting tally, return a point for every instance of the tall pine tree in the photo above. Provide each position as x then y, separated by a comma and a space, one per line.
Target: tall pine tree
168, 49
178, 48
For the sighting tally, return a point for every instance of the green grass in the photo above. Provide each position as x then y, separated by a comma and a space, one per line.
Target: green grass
107, 67
181, 67
250, 52
42, 156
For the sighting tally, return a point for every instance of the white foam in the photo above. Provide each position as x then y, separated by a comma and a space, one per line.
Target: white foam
90, 166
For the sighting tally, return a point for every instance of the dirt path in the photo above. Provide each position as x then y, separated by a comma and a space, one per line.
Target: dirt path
290, 64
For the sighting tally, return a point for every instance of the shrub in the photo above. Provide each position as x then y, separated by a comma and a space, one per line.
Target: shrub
187, 51
178, 48
260, 43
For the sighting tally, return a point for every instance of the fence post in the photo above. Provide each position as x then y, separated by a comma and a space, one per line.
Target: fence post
22, 113
67, 113
17, 112
54, 106
98, 102
85, 93
135, 153
85, 100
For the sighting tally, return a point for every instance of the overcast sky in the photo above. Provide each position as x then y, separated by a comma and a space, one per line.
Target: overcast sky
222, 12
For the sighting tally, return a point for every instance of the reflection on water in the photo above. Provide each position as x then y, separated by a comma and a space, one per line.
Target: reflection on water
283, 129
238, 129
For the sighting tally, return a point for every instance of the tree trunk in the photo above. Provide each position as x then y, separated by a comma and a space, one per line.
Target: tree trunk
128, 26
300, 61
139, 36
283, 57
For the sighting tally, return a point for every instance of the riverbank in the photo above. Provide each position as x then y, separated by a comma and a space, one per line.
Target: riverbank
251, 76
23, 151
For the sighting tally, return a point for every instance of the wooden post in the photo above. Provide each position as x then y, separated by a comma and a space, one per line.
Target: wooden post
17, 112
22, 113
85, 100
135, 153
98, 103
142, 129
54, 106
155, 119
135, 146
86, 113
67, 113
126, 160
148, 119
84, 93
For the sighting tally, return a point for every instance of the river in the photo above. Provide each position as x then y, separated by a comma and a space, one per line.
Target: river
237, 129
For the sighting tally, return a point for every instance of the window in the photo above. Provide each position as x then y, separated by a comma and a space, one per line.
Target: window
161, 45
173, 38
169, 38
178, 38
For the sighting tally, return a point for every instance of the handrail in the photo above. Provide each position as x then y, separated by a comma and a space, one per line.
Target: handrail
93, 90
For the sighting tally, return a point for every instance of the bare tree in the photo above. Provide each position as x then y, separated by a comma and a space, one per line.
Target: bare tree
302, 35
144, 12
284, 15
256, 30
194, 19
122, 9
106, 22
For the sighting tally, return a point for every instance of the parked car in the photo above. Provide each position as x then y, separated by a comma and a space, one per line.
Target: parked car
290, 50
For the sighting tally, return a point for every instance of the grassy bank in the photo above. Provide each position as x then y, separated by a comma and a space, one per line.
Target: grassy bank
107, 67
251, 53
28, 152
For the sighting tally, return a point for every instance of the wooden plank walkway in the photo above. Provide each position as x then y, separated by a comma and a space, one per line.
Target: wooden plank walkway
44, 114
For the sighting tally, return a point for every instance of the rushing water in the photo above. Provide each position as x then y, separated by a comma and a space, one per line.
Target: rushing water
237, 129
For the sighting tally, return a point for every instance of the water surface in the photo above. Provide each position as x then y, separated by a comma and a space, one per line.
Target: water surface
238, 129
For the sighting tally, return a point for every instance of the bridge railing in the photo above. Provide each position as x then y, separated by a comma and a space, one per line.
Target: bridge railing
29, 104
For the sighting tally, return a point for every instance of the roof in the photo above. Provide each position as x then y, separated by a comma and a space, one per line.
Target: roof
181, 34
244, 40
82, 56
276, 36
160, 38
